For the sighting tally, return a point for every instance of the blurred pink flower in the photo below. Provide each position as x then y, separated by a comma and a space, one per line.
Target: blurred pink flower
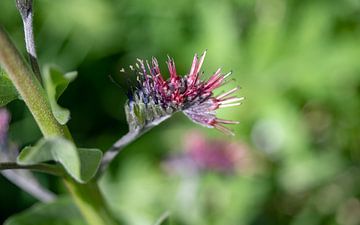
4, 125
215, 155
203, 154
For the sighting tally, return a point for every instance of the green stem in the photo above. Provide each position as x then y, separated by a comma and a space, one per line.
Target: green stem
92, 203
87, 196
41, 167
29, 88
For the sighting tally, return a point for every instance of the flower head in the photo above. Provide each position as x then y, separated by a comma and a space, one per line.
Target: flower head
203, 154
154, 97
214, 155
4, 126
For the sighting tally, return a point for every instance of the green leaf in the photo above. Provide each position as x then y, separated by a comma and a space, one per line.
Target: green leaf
55, 84
54, 148
82, 164
90, 159
62, 211
7, 90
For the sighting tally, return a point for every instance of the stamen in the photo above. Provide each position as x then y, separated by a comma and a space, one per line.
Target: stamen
214, 81
201, 61
227, 93
228, 74
223, 129
225, 82
193, 65
230, 105
226, 121
149, 68
215, 76
230, 100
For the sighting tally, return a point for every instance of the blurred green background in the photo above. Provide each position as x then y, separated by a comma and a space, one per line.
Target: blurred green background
298, 63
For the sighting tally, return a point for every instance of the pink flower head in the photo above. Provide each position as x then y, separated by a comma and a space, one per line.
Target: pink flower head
4, 125
154, 96
202, 154
214, 155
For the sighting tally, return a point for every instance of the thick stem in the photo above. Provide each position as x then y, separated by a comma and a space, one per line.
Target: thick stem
124, 141
29, 88
87, 196
89, 199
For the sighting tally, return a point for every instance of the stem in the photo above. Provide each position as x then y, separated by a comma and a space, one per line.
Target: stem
29, 88
26, 181
41, 167
93, 206
26, 11
116, 148
87, 196
124, 141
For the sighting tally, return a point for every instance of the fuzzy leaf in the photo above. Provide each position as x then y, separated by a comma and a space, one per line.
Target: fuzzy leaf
7, 90
55, 148
81, 164
55, 84
90, 159
61, 211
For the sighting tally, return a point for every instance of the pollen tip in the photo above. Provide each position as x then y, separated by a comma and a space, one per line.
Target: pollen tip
230, 105
228, 74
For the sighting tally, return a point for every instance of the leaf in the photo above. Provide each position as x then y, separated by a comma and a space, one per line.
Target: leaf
54, 148
62, 211
55, 84
82, 164
8, 92
90, 159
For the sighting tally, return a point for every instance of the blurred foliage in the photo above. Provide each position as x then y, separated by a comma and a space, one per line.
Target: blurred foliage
297, 63
63, 211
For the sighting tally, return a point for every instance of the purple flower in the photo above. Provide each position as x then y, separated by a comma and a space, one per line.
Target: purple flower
213, 155
154, 97
4, 126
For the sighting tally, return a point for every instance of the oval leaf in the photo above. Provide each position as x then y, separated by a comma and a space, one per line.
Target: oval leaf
82, 164
54, 148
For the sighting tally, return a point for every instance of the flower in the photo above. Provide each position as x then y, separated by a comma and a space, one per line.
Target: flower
213, 154
4, 126
202, 154
154, 97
